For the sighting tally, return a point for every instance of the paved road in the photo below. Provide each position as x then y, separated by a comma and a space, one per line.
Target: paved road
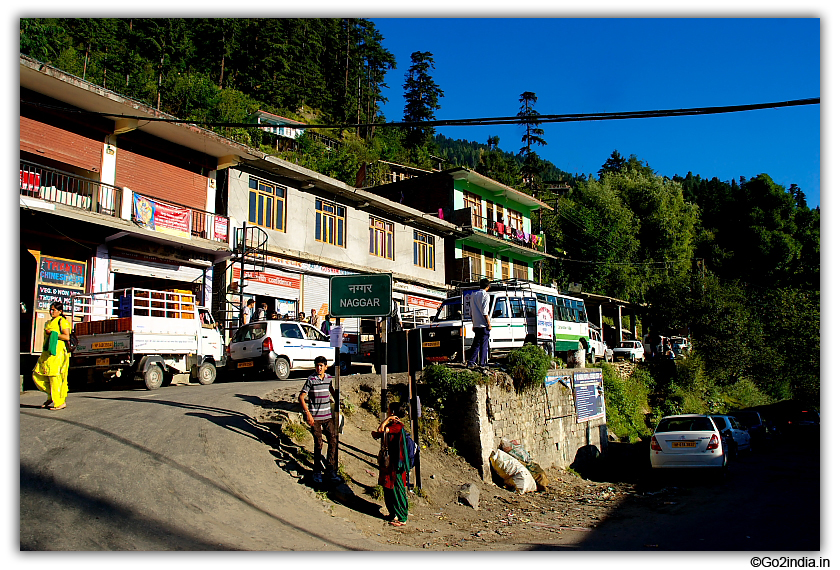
180, 468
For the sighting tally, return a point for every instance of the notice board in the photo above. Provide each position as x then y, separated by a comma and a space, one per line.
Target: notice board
589, 395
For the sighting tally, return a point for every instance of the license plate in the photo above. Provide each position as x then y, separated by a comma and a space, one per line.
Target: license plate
683, 444
245, 364
97, 345
103, 361
433, 344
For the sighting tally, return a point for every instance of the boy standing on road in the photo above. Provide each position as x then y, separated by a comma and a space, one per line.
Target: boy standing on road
480, 315
319, 417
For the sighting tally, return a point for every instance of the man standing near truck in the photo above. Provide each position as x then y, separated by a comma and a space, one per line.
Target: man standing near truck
480, 315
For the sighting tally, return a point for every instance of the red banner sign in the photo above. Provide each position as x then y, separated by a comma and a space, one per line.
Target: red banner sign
268, 278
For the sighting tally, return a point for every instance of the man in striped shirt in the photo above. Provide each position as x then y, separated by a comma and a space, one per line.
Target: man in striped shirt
318, 415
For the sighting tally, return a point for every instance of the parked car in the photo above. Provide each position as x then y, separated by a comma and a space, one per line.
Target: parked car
761, 431
631, 350
687, 441
734, 434
277, 347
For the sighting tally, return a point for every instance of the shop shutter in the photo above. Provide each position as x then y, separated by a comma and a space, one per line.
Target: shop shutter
157, 270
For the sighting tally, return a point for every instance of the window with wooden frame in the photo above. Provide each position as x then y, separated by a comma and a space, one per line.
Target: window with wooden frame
473, 201
424, 250
520, 270
381, 238
489, 265
516, 220
505, 268
330, 222
491, 220
267, 204
475, 255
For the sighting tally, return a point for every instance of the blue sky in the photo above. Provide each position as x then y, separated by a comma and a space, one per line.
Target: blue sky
580, 65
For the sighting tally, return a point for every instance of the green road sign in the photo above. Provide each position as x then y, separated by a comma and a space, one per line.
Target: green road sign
360, 295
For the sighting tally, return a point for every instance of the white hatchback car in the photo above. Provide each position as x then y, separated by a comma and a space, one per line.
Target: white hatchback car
277, 347
687, 441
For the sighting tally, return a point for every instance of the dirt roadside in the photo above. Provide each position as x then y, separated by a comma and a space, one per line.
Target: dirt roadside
562, 515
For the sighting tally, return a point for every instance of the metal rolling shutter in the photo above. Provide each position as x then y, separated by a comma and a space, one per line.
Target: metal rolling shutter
157, 270
316, 295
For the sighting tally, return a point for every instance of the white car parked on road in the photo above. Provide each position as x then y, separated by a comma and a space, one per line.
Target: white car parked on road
736, 436
278, 347
631, 350
687, 441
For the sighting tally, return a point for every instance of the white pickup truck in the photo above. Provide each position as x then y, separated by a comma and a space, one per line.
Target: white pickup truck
150, 335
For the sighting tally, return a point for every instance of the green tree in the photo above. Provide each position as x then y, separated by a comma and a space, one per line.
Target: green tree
529, 119
421, 99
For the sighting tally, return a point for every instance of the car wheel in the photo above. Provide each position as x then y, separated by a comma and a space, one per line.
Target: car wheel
153, 377
206, 373
732, 445
281, 368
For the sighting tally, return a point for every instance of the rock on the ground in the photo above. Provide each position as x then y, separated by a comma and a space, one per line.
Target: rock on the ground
469, 494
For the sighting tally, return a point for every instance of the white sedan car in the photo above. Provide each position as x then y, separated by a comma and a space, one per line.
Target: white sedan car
687, 441
631, 350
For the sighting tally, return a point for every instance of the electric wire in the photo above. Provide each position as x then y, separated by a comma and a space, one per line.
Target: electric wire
542, 119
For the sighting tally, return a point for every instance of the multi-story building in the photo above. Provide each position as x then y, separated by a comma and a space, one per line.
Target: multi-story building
109, 200
501, 242
116, 194
317, 227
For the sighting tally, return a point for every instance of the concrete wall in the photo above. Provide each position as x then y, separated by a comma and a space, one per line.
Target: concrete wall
543, 420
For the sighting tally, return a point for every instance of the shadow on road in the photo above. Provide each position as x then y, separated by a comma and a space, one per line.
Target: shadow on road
41, 497
235, 421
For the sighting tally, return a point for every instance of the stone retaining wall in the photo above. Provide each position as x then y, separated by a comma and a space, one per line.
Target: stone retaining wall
543, 419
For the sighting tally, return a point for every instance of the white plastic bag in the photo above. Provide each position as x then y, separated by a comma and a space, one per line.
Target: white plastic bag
513, 472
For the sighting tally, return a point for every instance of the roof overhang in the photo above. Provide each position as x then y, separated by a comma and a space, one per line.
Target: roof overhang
496, 188
61, 86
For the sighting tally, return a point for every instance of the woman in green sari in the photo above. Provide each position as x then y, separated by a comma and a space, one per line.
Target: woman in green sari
393, 466
50, 373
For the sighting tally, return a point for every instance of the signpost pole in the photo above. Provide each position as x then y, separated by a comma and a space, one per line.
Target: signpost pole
386, 323
337, 414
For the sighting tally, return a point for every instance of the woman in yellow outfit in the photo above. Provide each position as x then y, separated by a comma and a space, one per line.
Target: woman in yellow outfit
50, 373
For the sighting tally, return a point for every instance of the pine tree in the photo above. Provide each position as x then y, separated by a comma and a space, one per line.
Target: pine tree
421, 99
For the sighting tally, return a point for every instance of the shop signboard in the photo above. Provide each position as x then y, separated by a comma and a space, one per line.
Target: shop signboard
162, 217
57, 279
220, 228
62, 272
360, 295
48, 294
589, 395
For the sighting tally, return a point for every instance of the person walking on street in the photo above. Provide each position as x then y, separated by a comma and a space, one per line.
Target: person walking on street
480, 315
393, 465
50, 373
319, 417
247, 311
315, 320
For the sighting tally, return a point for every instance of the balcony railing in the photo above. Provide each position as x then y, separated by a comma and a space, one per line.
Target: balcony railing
51, 185
509, 233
